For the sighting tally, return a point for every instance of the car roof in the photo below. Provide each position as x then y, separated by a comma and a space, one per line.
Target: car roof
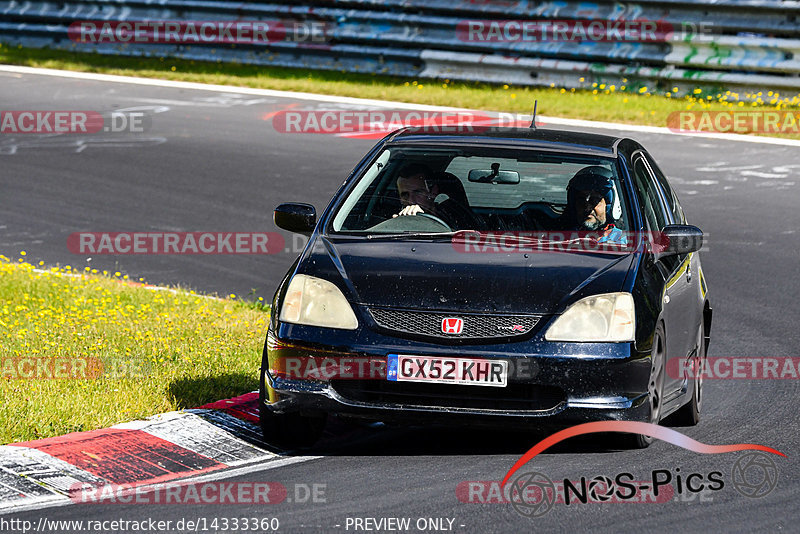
525, 138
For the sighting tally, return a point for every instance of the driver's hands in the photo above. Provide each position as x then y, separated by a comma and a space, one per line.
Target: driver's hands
409, 210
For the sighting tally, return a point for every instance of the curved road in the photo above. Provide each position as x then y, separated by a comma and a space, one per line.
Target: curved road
211, 161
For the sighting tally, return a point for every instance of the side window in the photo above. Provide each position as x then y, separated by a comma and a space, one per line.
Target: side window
648, 195
654, 213
669, 194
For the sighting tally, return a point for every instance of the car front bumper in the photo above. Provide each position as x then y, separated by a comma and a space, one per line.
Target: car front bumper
558, 383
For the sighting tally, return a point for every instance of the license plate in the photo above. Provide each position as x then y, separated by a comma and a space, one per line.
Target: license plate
445, 370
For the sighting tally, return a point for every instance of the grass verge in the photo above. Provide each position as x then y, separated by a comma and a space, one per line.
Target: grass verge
99, 351
630, 105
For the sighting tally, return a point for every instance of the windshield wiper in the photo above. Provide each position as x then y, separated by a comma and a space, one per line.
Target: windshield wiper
421, 235
561, 241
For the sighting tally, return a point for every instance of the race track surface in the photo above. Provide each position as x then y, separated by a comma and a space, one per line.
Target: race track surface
212, 161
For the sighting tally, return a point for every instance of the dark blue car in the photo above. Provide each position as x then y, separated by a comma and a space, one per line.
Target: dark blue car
509, 277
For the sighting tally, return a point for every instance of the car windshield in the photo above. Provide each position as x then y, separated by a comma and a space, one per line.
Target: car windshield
433, 191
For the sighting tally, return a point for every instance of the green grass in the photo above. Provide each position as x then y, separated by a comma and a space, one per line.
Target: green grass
145, 351
600, 103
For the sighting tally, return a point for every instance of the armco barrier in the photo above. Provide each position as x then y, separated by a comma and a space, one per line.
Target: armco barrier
744, 45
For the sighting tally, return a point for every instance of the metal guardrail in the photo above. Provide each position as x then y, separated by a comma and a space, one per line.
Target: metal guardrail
750, 45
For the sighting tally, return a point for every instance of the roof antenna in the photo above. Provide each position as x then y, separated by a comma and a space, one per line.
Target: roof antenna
533, 120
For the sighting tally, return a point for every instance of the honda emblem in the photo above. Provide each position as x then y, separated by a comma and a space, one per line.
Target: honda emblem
452, 325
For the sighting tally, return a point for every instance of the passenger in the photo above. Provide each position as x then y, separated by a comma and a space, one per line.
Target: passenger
590, 201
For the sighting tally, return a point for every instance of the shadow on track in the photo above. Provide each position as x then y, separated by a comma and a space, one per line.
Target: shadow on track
354, 438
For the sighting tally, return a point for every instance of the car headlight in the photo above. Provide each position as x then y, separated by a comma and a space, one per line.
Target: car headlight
316, 302
606, 317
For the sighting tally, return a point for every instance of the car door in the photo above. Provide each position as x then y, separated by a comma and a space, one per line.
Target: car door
690, 263
669, 267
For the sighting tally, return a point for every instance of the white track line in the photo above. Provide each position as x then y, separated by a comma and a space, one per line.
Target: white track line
379, 103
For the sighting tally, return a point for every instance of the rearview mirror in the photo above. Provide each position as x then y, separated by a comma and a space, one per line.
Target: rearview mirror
678, 239
494, 176
296, 217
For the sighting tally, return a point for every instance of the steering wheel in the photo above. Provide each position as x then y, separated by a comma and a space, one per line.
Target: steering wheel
435, 218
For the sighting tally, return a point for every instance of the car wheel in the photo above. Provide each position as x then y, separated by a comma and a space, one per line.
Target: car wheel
289, 430
689, 413
655, 388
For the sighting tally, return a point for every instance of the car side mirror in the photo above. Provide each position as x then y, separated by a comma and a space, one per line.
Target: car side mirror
296, 217
677, 239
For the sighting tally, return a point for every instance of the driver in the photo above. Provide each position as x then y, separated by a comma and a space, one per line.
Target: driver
418, 188
590, 201
416, 191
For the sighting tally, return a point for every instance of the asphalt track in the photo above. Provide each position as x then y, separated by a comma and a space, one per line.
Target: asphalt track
213, 162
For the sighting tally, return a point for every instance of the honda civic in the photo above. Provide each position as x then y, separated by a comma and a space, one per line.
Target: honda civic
510, 277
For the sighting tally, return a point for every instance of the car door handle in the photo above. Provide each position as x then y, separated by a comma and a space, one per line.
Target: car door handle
689, 272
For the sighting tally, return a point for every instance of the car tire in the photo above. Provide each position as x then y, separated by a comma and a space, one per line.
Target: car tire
655, 388
689, 413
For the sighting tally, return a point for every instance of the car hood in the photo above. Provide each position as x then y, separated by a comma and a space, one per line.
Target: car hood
435, 276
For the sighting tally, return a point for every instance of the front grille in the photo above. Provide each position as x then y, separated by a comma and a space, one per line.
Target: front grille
511, 397
423, 323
